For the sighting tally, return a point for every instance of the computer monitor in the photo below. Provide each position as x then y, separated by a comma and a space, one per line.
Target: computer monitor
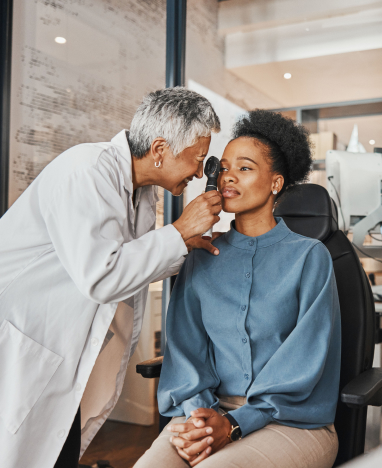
355, 184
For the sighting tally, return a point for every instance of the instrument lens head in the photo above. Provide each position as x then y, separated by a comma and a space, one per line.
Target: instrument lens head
212, 167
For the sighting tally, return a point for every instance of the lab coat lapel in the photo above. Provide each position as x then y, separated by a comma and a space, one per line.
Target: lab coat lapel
146, 210
146, 207
124, 159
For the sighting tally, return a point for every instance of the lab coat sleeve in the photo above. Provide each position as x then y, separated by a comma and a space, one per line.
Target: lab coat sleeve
86, 219
171, 270
299, 384
188, 377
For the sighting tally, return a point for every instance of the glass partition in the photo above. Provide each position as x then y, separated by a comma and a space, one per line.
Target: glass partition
79, 70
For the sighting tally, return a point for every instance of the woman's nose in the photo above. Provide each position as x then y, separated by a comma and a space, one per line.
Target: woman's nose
229, 177
199, 173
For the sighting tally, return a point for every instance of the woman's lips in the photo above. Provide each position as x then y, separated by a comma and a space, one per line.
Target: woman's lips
230, 192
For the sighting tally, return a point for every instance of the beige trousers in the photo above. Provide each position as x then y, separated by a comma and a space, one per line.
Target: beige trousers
274, 446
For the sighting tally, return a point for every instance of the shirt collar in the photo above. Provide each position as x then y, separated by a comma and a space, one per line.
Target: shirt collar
279, 232
121, 144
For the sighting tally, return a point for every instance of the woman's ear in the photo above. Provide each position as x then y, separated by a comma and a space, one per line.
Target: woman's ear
278, 183
158, 147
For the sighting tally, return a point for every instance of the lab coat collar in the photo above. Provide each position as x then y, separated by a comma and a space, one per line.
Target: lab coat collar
278, 233
121, 144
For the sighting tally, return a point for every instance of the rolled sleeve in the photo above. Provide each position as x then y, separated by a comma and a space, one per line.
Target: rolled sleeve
204, 400
250, 419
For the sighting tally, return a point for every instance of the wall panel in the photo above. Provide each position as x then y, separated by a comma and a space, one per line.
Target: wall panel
85, 90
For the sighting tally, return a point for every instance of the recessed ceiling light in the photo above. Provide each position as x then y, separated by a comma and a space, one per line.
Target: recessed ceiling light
372, 142
307, 29
60, 40
287, 76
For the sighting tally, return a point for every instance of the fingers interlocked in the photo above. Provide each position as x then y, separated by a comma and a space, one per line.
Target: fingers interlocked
193, 444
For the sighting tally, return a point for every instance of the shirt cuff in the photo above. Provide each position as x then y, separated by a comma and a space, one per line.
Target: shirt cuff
231, 419
250, 419
195, 403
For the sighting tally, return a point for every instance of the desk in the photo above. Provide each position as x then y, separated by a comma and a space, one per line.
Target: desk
370, 460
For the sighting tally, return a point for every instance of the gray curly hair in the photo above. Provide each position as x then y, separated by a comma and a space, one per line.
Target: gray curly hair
178, 115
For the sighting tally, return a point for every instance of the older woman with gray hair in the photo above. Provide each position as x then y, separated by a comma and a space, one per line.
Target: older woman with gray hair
78, 251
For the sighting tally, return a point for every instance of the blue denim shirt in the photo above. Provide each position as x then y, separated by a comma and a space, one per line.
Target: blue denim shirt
260, 320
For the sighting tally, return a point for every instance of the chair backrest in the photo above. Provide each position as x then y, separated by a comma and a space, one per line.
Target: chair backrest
308, 210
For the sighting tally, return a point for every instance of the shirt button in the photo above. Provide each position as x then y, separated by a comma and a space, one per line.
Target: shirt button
78, 387
95, 341
61, 433
243, 307
244, 340
250, 243
246, 376
247, 275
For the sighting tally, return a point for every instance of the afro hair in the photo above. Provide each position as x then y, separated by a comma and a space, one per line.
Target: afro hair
289, 148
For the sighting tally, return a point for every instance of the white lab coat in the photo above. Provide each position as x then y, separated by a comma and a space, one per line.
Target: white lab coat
72, 247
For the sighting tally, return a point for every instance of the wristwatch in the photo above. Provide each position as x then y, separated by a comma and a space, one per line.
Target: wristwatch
235, 433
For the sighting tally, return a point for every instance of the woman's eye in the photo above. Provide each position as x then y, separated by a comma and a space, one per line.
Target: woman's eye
223, 169
245, 168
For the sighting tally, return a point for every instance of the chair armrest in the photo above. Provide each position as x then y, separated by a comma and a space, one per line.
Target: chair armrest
151, 368
364, 390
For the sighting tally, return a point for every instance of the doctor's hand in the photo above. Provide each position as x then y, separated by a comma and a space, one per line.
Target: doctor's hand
193, 440
199, 215
198, 243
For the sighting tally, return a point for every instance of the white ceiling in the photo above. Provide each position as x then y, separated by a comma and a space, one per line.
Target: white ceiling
332, 78
250, 15
332, 48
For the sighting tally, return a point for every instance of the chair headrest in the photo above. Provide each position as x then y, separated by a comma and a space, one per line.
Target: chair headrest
307, 209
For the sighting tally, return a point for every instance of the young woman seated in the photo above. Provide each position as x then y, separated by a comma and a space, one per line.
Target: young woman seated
252, 362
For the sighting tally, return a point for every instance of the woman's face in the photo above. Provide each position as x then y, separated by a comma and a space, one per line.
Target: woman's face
246, 180
180, 170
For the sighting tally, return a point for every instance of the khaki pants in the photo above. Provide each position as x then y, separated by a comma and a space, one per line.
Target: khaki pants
274, 446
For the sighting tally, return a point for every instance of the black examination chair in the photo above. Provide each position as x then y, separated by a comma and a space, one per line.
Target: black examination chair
308, 210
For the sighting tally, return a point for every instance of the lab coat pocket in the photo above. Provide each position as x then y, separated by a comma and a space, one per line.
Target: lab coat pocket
26, 367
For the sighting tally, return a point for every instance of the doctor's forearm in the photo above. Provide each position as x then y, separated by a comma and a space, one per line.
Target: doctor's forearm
135, 265
171, 270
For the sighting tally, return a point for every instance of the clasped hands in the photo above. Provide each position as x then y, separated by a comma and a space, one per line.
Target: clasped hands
204, 433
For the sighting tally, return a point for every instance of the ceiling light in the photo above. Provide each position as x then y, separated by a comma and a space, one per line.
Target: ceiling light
60, 40
307, 29
372, 142
287, 76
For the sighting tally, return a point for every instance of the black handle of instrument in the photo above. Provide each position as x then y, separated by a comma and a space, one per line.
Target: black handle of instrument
211, 170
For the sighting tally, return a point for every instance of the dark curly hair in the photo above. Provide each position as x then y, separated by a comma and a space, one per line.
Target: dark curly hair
289, 148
